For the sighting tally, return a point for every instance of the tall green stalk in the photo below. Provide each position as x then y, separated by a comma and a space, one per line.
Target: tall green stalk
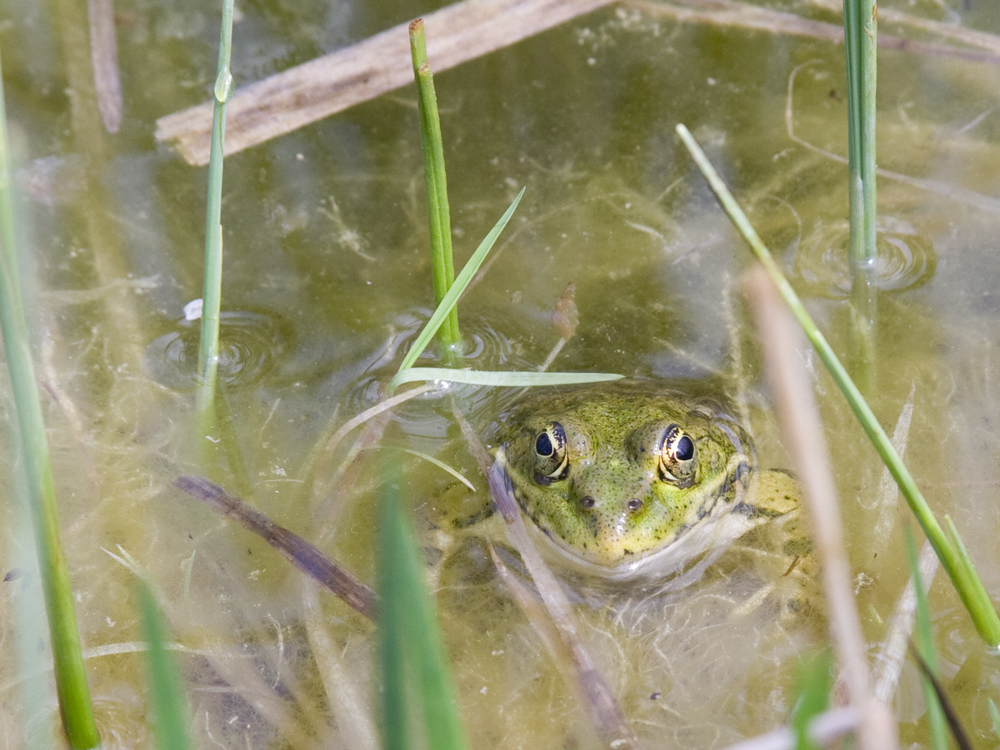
860, 35
208, 350
438, 210
860, 52
949, 549
71, 680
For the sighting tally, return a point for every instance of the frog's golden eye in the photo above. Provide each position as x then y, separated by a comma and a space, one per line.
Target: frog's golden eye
551, 455
676, 453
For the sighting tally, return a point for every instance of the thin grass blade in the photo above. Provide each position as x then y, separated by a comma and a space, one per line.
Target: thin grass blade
964, 577
71, 680
412, 654
171, 722
925, 647
813, 683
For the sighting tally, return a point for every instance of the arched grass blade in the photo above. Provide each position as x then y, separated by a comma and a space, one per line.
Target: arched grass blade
71, 680
963, 576
514, 379
456, 289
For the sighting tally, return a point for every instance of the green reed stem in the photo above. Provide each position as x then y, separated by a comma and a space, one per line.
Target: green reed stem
166, 692
963, 576
860, 36
438, 210
412, 656
71, 680
208, 349
924, 639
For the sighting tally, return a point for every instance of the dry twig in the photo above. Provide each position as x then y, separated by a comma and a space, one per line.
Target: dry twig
301, 95
807, 447
104, 56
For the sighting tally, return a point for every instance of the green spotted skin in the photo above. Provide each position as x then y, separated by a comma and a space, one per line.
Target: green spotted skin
615, 474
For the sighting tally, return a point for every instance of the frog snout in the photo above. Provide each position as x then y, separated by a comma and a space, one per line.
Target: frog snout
612, 511
611, 488
615, 506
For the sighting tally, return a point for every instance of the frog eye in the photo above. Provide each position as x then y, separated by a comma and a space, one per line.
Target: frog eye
676, 457
551, 456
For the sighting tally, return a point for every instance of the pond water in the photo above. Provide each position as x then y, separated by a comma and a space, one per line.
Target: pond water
326, 282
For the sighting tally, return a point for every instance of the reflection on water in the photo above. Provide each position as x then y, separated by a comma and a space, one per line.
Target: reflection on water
331, 260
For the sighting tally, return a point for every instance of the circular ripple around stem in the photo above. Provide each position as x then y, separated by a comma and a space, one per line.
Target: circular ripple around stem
250, 344
906, 258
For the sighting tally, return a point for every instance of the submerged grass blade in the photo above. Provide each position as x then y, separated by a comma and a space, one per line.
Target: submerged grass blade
925, 647
208, 350
455, 291
71, 681
438, 209
995, 716
414, 668
512, 379
967, 583
170, 713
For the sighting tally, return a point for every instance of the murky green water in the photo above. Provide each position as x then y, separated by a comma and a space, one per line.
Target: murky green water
327, 279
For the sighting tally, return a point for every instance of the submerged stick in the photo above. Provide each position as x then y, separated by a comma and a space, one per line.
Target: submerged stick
294, 548
951, 192
745, 16
104, 56
309, 92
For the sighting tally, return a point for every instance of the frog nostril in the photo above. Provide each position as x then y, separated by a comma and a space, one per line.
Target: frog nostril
634, 504
587, 501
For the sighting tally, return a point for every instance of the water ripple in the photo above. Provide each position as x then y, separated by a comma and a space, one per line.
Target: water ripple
250, 344
906, 258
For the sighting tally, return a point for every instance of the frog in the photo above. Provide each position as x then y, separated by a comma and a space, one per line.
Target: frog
631, 479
